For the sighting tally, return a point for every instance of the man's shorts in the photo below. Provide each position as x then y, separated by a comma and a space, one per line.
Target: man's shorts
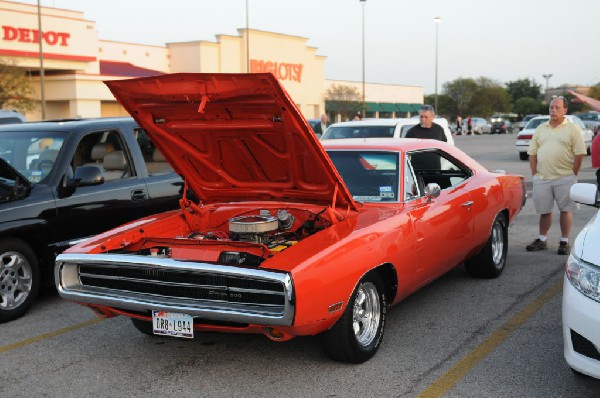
546, 192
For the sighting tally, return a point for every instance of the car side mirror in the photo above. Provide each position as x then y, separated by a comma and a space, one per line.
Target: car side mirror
586, 194
87, 176
432, 191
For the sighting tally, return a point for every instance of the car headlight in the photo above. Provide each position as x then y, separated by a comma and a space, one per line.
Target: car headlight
585, 277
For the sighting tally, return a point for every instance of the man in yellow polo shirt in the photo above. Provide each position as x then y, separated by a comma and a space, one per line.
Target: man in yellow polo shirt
555, 156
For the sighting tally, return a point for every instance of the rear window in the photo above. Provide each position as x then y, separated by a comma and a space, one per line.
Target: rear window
533, 123
335, 132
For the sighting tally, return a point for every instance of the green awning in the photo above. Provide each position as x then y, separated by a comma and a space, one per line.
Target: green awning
403, 108
372, 106
387, 107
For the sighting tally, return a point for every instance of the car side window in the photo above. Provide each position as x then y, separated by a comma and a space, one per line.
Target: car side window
412, 188
153, 158
436, 166
106, 150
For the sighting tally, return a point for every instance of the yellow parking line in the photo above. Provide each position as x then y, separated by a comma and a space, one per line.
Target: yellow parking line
43, 336
439, 387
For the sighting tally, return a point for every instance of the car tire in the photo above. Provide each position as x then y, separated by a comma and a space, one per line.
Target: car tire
19, 278
523, 155
490, 261
142, 326
357, 335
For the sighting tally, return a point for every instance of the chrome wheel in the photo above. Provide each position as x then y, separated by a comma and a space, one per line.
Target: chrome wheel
15, 280
366, 314
498, 244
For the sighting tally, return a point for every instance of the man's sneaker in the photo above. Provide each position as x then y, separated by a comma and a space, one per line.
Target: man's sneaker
564, 248
536, 245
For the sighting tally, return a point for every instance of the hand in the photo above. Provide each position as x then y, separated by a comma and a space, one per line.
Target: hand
578, 97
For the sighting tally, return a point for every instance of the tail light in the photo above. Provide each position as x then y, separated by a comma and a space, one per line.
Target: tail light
525, 137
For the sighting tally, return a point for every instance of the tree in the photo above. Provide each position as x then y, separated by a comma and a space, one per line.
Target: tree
482, 97
528, 106
490, 97
15, 88
595, 92
461, 92
345, 100
523, 88
446, 106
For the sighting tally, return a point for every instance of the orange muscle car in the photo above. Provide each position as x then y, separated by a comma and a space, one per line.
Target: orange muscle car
279, 233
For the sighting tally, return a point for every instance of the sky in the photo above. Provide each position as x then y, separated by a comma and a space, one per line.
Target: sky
504, 40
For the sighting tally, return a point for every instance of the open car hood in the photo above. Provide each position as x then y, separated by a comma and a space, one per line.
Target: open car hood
233, 137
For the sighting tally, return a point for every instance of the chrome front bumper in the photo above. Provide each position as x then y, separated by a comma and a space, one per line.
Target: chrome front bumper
202, 290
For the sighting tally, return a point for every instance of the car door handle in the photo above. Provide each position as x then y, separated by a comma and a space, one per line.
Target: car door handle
138, 195
467, 204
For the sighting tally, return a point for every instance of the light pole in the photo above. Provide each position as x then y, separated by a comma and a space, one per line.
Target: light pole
364, 104
247, 39
41, 55
437, 21
547, 77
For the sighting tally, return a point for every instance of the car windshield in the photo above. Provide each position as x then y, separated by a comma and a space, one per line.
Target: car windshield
366, 131
533, 123
588, 116
370, 176
31, 153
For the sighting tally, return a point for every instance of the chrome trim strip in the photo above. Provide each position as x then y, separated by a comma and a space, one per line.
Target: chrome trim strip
70, 288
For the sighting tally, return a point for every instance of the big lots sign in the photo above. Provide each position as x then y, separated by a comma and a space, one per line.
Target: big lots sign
26, 35
281, 70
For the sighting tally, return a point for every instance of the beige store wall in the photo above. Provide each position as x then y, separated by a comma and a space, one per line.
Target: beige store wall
268, 50
375, 92
150, 57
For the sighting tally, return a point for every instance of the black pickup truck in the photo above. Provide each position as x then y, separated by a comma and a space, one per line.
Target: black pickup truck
63, 181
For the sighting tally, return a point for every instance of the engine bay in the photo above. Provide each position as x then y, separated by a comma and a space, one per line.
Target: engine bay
245, 239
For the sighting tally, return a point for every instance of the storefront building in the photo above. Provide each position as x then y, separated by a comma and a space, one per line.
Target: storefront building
76, 62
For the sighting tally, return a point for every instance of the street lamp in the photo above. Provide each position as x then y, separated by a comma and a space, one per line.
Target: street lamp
41, 56
437, 21
247, 39
547, 77
364, 104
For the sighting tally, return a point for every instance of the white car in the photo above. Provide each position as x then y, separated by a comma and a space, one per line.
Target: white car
581, 291
524, 137
380, 128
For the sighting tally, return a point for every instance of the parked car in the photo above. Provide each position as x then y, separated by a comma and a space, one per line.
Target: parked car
501, 126
11, 117
521, 124
379, 128
591, 120
289, 236
477, 125
524, 136
65, 181
581, 291
313, 123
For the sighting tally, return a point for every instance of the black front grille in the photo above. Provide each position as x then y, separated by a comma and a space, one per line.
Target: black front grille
583, 346
183, 284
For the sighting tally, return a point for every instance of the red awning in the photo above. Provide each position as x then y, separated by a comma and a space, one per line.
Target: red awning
125, 69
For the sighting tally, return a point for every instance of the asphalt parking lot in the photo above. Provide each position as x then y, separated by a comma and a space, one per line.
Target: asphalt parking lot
457, 337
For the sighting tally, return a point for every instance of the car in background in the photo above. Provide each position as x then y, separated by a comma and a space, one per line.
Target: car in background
591, 120
502, 126
288, 236
11, 117
524, 136
65, 181
581, 291
477, 125
521, 125
379, 128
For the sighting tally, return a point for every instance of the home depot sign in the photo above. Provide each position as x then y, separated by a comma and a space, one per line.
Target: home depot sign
281, 70
26, 35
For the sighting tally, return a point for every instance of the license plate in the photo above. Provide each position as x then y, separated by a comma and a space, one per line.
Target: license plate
172, 324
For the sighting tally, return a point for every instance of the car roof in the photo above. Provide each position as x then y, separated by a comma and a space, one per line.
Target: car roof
65, 124
373, 122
